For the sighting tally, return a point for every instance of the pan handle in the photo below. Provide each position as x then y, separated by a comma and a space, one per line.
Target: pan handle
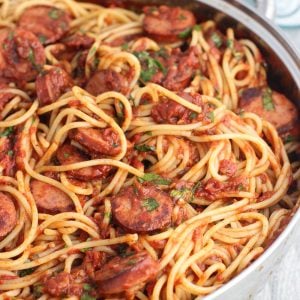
266, 8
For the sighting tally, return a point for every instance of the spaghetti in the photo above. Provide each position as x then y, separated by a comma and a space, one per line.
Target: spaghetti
141, 155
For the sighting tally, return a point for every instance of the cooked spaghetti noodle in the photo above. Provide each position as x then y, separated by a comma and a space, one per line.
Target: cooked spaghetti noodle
136, 161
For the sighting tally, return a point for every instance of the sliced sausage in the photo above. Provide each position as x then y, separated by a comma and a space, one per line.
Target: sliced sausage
7, 157
171, 112
167, 24
183, 67
49, 199
271, 106
142, 208
78, 41
51, 84
121, 274
8, 215
105, 81
22, 54
101, 141
68, 154
48, 23
4, 96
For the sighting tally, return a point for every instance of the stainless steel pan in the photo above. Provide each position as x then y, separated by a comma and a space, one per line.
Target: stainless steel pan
283, 73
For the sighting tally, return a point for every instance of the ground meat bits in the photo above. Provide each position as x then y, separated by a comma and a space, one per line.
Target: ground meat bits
8, 215
68, 154
142, 208
271, 106
48, 23
121, 274
100, 141
166, 24
22, 56
49, 199
105, 81
51, 84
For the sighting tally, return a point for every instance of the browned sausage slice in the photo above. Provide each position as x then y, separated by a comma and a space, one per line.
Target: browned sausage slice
121, 274
49, 199
78, 41
167, 24
22, 54
171, 112
68, 154
106, 80
101, 141
142, 208
48, 23
271, 106
51, 84
8, 215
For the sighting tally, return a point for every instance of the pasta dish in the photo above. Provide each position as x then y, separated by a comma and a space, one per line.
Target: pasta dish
143, 155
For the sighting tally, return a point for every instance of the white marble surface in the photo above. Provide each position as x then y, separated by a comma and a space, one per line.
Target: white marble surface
284, 284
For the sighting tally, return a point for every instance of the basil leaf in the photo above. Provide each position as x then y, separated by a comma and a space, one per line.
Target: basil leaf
144, 148
267, 99
155, 178
150, 204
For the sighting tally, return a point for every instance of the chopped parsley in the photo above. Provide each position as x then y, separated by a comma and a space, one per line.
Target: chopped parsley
31, 56
197, 27
42, 38
10, 35
107, 215
162, 52
155, 178
131, 262
86, 296
125, 46
211, 116
193, 115
148, 133
289, 139
23, 273
182, 17
87, 287
216, 40
152, 65
7, 132
66, 155
229, 43
267, 99
85, 249
185, 33
93, 50
144, 148
150, 204
54, 13
124, 251
38, 290
240, 187
10, 152
185, 193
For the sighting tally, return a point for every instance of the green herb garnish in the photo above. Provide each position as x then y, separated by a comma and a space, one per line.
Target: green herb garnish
211, 116
10, 153
131, 262
66, 155
144, 148
87, 287
152, 65
185, 33
54, 13
267, 99
193, 115
85, 249
38, 290
42, 38
289, 139
216, 40
229, 43
150, 204
182, 17
26, 272
125, 46
197, 27
7, 132
86, 296
240, 187
155, 178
